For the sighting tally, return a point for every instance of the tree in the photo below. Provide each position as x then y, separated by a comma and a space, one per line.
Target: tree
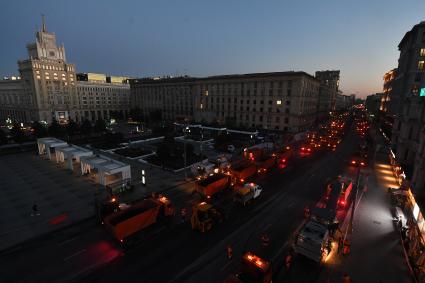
39, 130
155, 116
17, 133
169, 140
3, 137
163, 153
189, 150
221, 139
71, 128
136, 114
86, 127
114, 138
56, 130
100, 126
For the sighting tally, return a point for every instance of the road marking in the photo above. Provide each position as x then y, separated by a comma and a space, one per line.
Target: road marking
74, 254
226, 265
67, 241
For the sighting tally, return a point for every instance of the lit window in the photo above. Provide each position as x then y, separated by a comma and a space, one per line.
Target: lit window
206, 93
202, 106
279, 102
38, 77
421, 65
422, 52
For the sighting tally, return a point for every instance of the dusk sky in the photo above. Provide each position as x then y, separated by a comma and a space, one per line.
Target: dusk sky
201, 38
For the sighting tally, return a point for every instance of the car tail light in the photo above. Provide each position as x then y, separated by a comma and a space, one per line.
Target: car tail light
353, 162
283, 160
362, 163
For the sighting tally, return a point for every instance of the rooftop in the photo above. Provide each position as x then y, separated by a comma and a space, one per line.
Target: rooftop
221, 77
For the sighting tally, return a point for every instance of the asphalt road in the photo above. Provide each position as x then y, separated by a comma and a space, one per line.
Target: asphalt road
86, 253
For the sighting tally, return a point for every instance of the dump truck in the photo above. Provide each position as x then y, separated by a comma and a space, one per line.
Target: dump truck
265, 163
132, 219
205, 216
212, 185
242, 171
253, 270
246, 193
313, 239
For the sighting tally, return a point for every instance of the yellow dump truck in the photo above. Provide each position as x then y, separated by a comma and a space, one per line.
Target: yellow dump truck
205, 216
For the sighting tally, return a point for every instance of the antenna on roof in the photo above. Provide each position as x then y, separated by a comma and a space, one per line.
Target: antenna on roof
43, 23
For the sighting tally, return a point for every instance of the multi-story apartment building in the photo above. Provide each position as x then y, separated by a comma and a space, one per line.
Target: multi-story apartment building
329, 89
102, 97
374, 103
13, 100
387, 104
173, 97
279, 101
408, 98
47, 89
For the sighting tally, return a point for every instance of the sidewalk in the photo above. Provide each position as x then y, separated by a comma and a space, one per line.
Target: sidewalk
376, 251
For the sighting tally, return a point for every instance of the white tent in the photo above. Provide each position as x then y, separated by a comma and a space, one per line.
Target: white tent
69, 153
46, 144
105, 166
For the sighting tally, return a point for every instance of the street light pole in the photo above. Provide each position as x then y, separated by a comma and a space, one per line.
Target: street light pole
355, 199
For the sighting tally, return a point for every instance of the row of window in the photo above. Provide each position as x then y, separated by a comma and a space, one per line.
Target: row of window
50, 67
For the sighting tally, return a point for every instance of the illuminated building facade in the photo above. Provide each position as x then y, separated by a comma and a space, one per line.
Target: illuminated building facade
284, 101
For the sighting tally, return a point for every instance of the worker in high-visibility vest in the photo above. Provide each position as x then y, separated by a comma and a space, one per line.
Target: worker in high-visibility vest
288, 260
345, 278
229, 252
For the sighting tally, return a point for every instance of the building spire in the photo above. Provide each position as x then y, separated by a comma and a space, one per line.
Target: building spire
43, 23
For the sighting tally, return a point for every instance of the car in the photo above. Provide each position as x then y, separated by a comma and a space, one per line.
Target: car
358, 159
305, 151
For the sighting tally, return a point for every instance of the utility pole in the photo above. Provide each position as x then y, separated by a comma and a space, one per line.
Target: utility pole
185, 130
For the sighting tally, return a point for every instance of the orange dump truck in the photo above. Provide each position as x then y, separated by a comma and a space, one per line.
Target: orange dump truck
212, 185
142, 214
265, 163
241, 172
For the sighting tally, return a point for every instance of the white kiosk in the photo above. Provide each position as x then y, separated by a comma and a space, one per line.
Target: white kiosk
46, 144
105, 167
71, 153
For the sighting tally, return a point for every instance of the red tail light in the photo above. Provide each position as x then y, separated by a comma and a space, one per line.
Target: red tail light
353, 162
283, 160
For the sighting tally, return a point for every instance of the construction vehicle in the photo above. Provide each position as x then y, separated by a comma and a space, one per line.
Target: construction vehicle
205, 216
247, 192
213, 184
253, 270
105, 205
265, 163
126, 223
313, 239
242, 171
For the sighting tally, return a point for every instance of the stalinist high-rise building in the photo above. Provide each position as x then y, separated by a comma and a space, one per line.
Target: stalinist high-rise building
48, 79
49, 88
